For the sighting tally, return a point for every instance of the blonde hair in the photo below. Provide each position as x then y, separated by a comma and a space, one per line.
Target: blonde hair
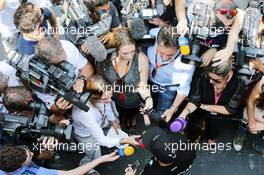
121, 37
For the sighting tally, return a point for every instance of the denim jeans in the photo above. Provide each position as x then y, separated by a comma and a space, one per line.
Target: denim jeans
164, 98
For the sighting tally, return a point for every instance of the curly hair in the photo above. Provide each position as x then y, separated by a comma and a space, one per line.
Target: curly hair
12, 158
26, 18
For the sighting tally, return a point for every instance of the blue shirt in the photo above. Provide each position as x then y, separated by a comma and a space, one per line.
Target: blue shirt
28, 46
175, 73
31, 169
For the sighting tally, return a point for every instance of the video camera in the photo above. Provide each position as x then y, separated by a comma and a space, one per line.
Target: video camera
36, 125
200, 31
141, 9
79, 24
248, 39
44, 78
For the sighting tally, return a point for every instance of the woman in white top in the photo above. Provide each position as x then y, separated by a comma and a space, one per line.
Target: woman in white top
88, 126
254, 115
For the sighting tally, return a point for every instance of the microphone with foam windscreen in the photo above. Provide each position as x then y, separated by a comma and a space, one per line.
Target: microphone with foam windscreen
127, 151
138, 28
96, 48
184, 46
178, 125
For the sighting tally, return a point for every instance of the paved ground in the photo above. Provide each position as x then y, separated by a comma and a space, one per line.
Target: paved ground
246, 162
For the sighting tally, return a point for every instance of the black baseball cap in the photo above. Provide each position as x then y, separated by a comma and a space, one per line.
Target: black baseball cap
159, 143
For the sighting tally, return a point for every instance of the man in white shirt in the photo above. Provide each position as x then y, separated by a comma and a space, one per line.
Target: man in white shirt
54, 51
168, 72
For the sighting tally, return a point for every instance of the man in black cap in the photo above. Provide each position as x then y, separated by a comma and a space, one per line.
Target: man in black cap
171, 154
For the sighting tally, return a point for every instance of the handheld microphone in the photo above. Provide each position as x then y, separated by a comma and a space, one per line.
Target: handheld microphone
184, 46
178, 125
127, 151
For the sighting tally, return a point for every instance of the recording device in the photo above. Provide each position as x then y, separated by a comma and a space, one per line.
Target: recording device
178, 125
137, 11
141, 9
200, 31
79, 25
44, 78
140, 33
184, 46
127, 151
248, 41
152, 116
36, 125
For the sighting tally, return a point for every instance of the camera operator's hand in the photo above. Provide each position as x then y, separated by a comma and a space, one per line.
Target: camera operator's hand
109, 157
222, 57
63, 104
208, 56
130, 140
64, 122
79, 85
106, 37
130, 171
49, 143
182, 27
85, 49
157, 22
257, 64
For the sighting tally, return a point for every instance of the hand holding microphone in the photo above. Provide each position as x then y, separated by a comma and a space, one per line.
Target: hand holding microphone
127, 151
178, 125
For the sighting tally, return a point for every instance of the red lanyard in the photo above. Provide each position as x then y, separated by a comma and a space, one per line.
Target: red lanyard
157, 66
218, 95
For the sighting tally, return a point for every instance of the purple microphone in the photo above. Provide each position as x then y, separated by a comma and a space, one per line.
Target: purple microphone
178, 125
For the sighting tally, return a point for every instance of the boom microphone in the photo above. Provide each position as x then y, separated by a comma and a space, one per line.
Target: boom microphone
96, 48
138, 28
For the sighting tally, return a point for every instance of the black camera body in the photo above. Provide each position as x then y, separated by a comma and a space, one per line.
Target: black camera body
44, 78
80, 25
200, 31
36, 125
248, 41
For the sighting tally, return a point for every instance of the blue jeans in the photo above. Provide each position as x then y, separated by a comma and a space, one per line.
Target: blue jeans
163, 99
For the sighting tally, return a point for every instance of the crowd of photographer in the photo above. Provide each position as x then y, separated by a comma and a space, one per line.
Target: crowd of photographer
180, 65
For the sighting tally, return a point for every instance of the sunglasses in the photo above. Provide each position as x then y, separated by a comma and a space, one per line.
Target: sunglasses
226, 11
